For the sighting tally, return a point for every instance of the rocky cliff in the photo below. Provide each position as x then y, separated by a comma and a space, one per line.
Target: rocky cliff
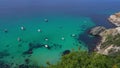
115, 19
108, 45
110, 42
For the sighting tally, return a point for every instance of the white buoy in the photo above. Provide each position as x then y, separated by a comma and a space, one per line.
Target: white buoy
73, 35
46, 20
39, 30
22, 28
63, 38
5, 30
46, 39
46, 45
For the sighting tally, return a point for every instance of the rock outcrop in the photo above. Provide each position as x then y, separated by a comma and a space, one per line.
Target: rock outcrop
115, 19
108, 49
110, 42
97, 30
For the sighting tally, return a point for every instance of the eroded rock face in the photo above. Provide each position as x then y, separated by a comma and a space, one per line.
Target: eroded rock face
97, 30
115, 19
110, 48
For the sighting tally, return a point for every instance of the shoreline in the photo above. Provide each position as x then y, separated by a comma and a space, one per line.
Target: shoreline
109, 49
89, 40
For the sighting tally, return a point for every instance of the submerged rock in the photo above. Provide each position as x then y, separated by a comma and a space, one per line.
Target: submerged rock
89, 40
65, 52
23, 66
28, 52
4, 54
33, 46
7, 45
27, 61
4, 65
97, 30
56, 46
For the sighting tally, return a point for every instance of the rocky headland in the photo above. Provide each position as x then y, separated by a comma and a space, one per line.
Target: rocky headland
115, 19
110, 42
97, 30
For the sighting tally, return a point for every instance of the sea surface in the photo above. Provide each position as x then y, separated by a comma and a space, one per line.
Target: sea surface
66, 29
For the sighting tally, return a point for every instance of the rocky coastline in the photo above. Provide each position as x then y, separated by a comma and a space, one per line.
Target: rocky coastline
115, 19
109, 37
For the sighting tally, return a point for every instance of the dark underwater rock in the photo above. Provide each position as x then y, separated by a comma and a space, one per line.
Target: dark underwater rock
33, 46
29, 66
20, 45
27, 61
96, 30
23, 66
4, 65
7, 45
28, 52
56, 46
65, 52
90, 42
4, 54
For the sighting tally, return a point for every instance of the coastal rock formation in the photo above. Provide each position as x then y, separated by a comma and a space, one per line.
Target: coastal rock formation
109, 44
115, 19
97, 30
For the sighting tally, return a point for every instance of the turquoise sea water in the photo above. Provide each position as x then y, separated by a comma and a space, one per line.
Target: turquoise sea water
65, 18
56, 28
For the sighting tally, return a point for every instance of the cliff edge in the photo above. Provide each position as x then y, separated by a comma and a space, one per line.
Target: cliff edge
115, 19
110, 42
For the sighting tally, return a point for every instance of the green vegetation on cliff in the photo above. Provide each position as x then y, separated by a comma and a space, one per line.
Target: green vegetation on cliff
87, 60
115, 40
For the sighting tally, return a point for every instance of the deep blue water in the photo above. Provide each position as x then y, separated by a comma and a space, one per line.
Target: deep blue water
99, 11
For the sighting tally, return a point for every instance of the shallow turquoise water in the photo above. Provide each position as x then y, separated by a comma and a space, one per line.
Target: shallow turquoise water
56, 28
